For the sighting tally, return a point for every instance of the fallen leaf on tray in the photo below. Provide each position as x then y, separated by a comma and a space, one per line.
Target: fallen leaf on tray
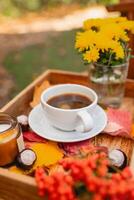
16, 170
56, 168
119, 123
47, 153
73, 148
29, 144
37, 93
132, 132
33, 137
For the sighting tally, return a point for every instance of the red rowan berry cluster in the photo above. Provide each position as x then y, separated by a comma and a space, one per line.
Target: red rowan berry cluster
58, 186
89, 173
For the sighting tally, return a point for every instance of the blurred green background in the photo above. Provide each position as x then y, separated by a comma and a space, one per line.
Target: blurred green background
54, 51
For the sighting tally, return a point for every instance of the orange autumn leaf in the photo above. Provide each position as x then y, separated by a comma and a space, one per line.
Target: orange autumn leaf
16, 170
47, 154
132, 132
37, 93
55, 168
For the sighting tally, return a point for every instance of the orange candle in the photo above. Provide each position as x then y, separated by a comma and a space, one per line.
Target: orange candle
11, 141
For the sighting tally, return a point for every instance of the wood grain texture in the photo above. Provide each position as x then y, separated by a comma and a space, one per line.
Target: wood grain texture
20, 187
17, 187
129, 88
111, 142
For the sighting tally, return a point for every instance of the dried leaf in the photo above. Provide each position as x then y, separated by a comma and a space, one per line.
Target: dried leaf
37, 93
16, 170
33, 137
56, 168
47, 154
119, 123
74, 147
132, 132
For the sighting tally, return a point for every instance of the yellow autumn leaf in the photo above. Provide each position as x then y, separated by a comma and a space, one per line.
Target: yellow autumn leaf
47, 154
16, 170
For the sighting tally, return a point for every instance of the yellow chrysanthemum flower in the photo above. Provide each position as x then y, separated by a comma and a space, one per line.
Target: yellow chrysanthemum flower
102, 36
97, 23
91, 55
114, 31
102, 43
118, 49
128, 25
84, 40
90, 23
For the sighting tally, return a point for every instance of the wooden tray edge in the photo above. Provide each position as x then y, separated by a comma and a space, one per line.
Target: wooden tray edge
25, 180
38, 80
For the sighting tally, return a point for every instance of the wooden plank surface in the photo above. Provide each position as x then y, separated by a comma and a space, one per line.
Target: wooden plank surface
129, 88
17, 187
112, 142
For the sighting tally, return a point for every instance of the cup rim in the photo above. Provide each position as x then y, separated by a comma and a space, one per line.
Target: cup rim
68, 110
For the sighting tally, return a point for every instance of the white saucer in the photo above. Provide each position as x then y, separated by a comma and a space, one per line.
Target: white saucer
40, 125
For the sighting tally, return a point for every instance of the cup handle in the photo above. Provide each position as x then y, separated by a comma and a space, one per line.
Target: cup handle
85, 122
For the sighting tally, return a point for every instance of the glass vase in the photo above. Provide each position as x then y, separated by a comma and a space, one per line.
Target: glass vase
109, 83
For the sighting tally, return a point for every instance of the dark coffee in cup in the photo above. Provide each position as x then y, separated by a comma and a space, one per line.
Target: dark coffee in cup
79, 101
69, 101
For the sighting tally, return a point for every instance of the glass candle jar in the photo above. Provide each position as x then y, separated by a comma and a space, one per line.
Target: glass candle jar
11, 140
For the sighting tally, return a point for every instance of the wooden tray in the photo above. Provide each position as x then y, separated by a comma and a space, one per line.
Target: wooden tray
20, 187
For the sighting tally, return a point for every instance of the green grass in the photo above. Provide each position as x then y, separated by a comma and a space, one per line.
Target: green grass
56, 52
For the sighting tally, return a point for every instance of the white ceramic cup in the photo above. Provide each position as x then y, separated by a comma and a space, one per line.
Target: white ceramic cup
69, 119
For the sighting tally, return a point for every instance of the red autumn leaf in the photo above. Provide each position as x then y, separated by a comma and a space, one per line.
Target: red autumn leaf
119, 122
32, 137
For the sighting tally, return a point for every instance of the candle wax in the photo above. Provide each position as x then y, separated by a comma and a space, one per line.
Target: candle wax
4, 127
